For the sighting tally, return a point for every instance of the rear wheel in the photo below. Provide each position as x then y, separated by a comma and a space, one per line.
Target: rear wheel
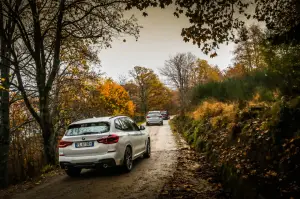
147, 124
162, 123
73, 172
127, 164
147, 153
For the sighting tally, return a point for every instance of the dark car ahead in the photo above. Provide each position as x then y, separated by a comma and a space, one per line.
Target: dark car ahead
165, 115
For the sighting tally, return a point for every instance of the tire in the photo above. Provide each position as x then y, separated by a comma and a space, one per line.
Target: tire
128, 162
162, 123
73, 172
147, 154
147, 124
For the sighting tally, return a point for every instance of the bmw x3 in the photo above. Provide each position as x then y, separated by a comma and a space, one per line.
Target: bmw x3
103, 142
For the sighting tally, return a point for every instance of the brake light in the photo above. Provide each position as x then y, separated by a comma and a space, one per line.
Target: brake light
148, 116
160, 116
63, 144
111, 139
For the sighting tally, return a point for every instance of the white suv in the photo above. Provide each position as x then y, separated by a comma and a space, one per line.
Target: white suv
102, 142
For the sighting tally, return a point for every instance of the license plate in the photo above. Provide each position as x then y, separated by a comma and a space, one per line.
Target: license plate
84, 144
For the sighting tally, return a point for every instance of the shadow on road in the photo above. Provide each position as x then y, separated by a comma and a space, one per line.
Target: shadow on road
101, 172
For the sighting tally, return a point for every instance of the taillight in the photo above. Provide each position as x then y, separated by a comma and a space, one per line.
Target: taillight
111, 139
160, 116
148, 116
63, 144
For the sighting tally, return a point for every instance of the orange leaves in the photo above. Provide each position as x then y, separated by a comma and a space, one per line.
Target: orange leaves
213, 55
115, 98
237, 70
86, 95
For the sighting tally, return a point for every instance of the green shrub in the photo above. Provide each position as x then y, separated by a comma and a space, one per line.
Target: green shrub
239, 88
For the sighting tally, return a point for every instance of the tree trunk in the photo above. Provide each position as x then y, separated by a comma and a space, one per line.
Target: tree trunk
4, 107
182, 102
47, 128
50, 143
4, 127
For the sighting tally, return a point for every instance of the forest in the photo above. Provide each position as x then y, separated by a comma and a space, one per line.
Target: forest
243, 118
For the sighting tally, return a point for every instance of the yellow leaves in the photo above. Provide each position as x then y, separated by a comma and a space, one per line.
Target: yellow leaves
253, 172
207, 73
238, 166
165, 192
284, 145
83, 62
271, 173
268, 157
38, 182
1, 81
237, 70
245, 176
213, 109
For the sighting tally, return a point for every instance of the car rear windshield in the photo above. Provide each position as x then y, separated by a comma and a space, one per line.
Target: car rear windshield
154, 115
88, 128
164, 112
151, 112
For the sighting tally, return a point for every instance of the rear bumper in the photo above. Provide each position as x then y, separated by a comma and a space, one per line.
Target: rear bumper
154, 122
92, 161
101, 163
165, 117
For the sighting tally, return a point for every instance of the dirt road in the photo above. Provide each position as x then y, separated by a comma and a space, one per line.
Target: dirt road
145, 180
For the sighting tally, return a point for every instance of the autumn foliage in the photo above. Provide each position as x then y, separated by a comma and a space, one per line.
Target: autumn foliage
80, 94
256, 148
115, 99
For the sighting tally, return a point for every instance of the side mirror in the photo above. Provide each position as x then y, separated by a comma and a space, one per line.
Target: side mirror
142, 128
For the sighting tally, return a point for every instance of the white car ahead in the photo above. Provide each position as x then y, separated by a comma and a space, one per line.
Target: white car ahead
154, 118
102, 142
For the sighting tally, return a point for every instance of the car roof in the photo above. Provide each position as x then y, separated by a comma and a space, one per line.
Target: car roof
97, 119
91, 120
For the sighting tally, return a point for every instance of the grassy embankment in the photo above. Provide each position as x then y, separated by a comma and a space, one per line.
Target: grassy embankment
250, 133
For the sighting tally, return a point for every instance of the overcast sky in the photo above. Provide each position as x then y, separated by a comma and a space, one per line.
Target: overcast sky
159, 39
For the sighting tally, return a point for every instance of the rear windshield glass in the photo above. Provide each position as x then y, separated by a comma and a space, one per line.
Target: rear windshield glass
154, 112
164, 112
154, 115
87, 129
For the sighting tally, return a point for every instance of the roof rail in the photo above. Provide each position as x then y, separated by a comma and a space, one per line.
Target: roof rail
118, 116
